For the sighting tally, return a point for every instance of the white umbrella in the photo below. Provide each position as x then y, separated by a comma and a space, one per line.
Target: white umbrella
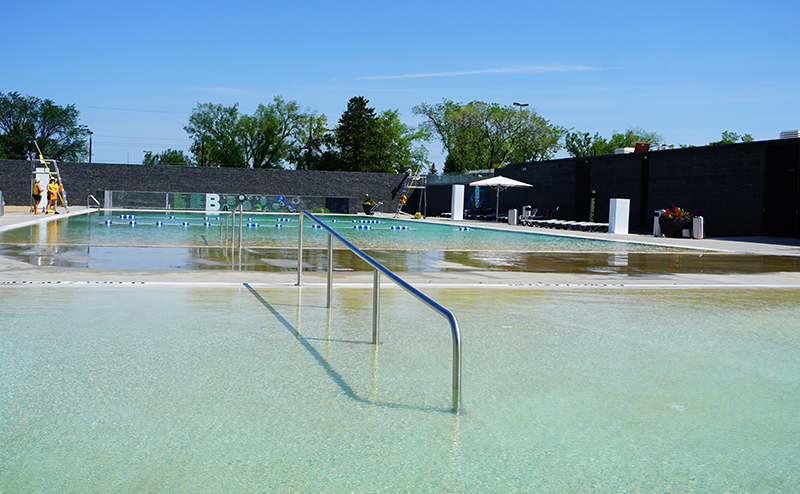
499, 183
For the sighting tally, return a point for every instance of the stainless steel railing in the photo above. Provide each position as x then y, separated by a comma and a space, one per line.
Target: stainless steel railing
223, 227
379, 269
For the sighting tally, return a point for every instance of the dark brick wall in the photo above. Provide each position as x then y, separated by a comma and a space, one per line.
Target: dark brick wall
724, 184
82, 179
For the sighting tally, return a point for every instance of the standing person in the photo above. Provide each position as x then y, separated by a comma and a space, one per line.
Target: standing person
52, 196
36, 195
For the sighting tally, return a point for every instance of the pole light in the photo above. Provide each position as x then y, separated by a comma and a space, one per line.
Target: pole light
90, 146
521, 105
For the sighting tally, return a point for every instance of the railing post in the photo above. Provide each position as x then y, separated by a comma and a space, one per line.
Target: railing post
330, 269
241, 212
376, 305
300, 249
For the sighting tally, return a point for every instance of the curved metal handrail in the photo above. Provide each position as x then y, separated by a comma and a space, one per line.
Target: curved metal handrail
379, 268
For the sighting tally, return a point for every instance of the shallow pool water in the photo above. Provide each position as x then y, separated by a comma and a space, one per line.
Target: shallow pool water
89, 242
252, 389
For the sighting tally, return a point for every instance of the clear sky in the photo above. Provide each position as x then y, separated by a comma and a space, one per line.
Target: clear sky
136, 69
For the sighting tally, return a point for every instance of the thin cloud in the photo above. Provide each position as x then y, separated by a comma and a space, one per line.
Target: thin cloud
504, 70
231, 90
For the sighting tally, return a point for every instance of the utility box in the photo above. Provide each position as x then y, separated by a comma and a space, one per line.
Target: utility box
457, 203
512, 216
618, 216
698, 227
656, 223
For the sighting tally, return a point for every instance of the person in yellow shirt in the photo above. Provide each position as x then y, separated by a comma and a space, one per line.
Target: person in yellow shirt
36, 195
52, 196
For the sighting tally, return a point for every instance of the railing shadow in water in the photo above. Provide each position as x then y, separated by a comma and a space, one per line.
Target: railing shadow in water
332, 373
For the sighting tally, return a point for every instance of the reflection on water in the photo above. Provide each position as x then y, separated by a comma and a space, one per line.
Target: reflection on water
285, 260
195, 242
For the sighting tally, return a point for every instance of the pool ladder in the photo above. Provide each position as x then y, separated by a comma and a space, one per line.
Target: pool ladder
378, 268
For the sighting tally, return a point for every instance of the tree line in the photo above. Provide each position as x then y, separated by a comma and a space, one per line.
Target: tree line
280, 134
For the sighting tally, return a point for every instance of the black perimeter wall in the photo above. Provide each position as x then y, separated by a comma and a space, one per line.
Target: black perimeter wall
82, 179
746, 189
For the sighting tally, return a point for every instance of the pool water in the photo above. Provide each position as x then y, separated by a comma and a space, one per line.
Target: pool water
115, 228
256, 389
89, 242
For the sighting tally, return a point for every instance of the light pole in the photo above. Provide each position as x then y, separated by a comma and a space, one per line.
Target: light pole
90, 146
203, 150
521, 105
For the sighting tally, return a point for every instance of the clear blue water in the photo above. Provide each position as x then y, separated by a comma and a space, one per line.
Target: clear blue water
204, 231
185, 389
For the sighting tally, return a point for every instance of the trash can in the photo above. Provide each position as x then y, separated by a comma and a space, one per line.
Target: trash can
656, 224
512, 216
697, 227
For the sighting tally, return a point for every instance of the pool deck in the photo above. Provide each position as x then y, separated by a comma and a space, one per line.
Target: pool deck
13, 272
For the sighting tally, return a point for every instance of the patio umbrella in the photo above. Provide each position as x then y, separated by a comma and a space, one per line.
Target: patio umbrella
499, 183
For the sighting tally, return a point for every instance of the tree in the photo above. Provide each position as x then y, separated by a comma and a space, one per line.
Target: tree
55, 128
214, 132
579, 144
317, 149
168, 157
272, 133
370, 142
396, 147
729, 137
480, 135
267, 139
357, 136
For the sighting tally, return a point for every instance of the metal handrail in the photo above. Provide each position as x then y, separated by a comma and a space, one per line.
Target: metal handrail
89, 204
378, 269
232, 217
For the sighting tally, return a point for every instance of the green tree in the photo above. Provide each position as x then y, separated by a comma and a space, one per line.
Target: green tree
579, 144
168, 157
214, 131
267, 139
371, 142
317, 149
357, 136
396, 145
55, 128
480, 135
273, 133
729, 137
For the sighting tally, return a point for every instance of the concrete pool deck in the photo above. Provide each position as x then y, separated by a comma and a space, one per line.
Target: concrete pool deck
14, 272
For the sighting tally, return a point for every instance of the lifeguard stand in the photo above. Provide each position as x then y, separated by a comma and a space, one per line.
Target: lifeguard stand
43, 170
413, 181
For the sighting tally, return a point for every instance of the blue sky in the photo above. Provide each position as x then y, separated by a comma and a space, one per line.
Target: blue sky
135, 70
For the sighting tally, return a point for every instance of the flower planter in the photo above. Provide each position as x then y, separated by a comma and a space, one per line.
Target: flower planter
368, 209
674, 227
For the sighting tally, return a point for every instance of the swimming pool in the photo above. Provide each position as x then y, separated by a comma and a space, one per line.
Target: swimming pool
116, 228
246, 389
108, 240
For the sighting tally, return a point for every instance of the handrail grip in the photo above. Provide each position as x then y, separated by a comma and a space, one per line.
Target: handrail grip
88, 204
451, 318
